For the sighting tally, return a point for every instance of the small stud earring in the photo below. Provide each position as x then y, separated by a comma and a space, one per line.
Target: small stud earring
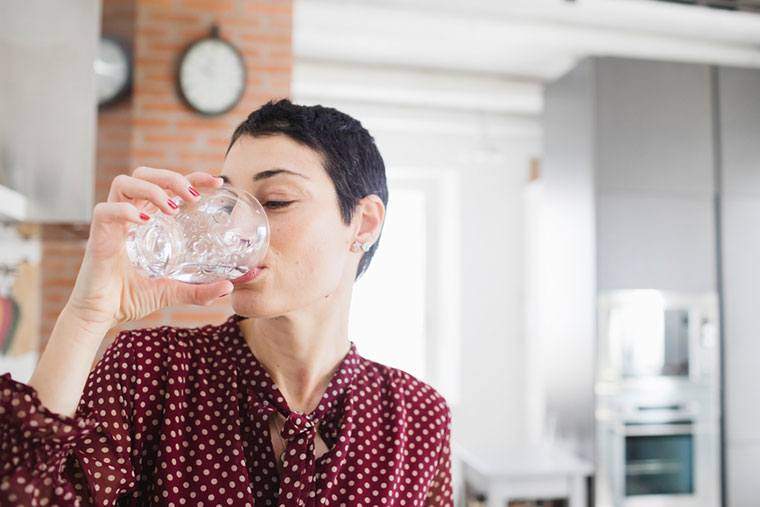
364, 246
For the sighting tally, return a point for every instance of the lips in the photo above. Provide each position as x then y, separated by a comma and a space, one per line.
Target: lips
247, 277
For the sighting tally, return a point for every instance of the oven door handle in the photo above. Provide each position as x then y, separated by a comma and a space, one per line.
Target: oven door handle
674, 407
648, 430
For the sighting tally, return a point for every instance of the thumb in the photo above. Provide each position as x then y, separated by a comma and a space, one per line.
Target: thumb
198, 294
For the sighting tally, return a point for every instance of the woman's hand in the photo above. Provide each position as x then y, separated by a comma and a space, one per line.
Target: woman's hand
108, 290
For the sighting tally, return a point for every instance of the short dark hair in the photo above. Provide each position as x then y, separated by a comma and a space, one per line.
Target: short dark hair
350, 155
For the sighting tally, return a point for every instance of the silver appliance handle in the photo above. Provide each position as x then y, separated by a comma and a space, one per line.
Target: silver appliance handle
648, 430
672, 407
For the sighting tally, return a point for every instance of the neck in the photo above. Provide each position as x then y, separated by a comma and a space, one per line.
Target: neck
301, 350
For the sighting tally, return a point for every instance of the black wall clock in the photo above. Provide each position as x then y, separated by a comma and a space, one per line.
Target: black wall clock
211, 75
113, 71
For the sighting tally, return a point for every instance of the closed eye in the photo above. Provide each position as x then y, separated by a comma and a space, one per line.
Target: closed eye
277, 204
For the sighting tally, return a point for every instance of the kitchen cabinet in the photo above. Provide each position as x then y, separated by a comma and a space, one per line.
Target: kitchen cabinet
655, 241
629, 192
742, 463
653, 127
739, 121
653, 175
637, 154
739, 92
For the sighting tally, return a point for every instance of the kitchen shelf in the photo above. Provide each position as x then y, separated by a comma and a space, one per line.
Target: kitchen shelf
13, 205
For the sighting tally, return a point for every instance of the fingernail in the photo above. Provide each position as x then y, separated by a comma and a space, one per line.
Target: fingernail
144, 216
193, 191
172, 204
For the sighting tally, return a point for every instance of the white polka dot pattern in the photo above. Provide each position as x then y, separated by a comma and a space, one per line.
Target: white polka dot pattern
174, 416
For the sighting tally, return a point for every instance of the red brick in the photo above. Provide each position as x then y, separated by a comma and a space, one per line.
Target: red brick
149, 122
208, 6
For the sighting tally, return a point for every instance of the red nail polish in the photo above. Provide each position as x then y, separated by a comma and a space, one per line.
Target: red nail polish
193, 191
172, 204
144, 216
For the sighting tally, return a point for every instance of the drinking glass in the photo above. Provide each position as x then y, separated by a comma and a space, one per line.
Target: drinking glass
223, 235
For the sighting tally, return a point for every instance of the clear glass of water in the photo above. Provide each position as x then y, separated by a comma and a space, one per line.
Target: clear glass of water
223, 235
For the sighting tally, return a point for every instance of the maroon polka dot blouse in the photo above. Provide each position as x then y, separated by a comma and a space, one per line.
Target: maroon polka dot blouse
176, 416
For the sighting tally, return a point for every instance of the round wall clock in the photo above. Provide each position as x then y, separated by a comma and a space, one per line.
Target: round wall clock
211, 75
113, 71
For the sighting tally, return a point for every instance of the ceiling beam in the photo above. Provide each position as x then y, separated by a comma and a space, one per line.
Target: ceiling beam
536, 39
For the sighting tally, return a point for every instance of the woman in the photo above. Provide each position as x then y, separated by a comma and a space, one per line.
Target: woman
273, 407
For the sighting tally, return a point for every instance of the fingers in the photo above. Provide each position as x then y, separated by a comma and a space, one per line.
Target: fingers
168, 180
202, 179
109, 227
117, 212
128, 188
157, 186
179, 293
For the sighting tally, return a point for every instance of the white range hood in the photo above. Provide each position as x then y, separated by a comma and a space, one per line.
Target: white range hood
48, 109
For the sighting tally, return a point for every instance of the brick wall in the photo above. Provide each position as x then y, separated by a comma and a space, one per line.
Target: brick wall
152, 127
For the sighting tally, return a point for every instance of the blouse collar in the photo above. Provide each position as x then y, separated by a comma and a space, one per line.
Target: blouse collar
342, 381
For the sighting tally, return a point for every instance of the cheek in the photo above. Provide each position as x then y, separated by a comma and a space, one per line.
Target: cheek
310, 247
309, 261
322, 258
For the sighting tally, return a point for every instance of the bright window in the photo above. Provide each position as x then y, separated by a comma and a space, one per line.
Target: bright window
405, 310
387, 319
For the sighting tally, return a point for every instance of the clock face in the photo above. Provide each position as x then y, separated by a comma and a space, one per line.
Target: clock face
112, 70
212, 76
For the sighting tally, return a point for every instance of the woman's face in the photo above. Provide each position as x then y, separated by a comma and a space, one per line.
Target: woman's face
309, 257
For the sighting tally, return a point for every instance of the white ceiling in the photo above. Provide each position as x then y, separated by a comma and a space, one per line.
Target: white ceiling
494, 55
536, 39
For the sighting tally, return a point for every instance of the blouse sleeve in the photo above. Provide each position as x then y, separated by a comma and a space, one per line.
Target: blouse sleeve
48, 458
440, 491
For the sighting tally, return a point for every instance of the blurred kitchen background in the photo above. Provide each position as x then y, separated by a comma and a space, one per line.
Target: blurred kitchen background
570, 248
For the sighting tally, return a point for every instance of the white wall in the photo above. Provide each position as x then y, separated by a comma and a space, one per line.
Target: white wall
488, 153
492, 169
561, 275
492, 411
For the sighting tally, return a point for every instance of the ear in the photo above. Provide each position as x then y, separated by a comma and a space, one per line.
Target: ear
370, 215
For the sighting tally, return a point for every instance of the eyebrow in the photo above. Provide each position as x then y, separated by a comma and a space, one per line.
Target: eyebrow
269, 173
275, 171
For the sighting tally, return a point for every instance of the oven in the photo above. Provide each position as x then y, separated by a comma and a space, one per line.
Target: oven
659, 458
658, 455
